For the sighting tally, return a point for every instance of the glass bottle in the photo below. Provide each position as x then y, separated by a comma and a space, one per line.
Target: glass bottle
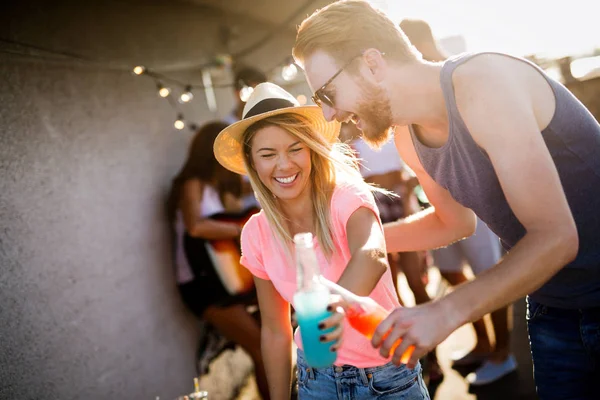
310, 302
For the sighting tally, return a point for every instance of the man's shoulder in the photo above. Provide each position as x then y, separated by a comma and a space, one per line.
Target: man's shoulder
487, 71
490, 82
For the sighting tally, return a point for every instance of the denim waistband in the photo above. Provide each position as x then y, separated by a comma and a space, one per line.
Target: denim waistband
345, 370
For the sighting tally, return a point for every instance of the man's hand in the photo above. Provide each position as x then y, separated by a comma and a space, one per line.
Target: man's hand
423, 327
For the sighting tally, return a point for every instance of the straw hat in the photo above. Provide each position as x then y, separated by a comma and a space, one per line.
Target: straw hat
266, 100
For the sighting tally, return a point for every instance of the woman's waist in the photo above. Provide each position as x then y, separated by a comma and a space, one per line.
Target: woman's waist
356, 349
349, 365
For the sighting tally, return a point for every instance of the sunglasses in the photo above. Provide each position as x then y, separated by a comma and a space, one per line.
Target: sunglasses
320, 97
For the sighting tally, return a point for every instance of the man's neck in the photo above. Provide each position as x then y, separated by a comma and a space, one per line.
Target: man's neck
416, 97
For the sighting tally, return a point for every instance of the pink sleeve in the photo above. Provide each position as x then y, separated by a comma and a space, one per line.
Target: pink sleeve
347, 199
251, 249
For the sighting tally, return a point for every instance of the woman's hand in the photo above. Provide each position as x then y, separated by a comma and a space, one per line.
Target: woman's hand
335, 321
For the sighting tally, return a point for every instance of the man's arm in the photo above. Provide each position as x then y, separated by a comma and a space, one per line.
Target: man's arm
500, 116
445, 222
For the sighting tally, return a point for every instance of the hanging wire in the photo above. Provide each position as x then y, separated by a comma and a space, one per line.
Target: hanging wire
42, 53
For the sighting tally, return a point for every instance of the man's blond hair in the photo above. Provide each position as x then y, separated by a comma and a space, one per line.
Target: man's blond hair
347, 28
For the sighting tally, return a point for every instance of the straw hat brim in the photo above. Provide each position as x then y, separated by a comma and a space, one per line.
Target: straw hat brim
228, 144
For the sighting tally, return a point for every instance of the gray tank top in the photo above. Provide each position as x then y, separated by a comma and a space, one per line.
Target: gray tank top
573, 139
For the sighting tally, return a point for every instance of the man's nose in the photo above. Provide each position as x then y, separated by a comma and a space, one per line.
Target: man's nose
328, 112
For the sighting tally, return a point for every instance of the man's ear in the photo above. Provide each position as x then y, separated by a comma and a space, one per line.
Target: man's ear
375, 62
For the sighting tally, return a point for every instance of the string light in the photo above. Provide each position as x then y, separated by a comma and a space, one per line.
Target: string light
289, 72
220, 61
245, 92
179, 124
163, 91
301, 99
186, 96
139, 70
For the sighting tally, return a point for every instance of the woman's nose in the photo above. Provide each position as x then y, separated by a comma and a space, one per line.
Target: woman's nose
283, 161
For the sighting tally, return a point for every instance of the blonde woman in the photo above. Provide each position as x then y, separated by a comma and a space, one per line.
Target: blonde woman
305, 182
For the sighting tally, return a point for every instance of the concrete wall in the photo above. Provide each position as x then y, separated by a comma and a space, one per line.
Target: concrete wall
88, 304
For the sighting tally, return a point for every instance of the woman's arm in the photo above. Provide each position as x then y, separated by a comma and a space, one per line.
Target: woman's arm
276, 338
367, 247
191, 197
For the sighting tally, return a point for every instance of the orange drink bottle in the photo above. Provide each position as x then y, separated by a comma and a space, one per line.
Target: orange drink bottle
364, 314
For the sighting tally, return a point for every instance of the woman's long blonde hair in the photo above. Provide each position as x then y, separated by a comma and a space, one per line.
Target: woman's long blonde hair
332, 164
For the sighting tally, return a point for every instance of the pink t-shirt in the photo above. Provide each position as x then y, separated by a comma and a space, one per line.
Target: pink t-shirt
264, 256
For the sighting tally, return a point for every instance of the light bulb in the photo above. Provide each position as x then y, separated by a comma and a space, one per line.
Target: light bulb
138, 70
301, 99
186, 96
179, 124
289, 72
164, 92
245, 93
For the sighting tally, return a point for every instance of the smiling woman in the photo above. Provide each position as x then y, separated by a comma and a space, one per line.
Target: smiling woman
282, 162
306, 181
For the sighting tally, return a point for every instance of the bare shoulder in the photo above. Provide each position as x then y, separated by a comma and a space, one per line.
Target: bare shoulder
192, 186
486, 73
500, 97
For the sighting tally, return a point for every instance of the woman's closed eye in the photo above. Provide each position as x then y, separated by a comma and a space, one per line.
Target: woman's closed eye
296, 149
267, 155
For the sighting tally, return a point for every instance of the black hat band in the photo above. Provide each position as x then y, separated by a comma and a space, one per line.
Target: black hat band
267, 105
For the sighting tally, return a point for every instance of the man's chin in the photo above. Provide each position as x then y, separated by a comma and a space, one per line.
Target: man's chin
376, 138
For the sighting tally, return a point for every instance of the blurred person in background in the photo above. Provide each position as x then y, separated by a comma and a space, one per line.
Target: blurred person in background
480, 251
384, 168
202, 190
490, 135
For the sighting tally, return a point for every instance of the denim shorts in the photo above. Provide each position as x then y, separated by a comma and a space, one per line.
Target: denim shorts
565, 346
346, 382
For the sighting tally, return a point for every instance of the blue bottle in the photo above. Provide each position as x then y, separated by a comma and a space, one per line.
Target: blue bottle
310, 302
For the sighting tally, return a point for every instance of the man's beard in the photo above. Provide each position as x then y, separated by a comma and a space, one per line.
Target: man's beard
376, 115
